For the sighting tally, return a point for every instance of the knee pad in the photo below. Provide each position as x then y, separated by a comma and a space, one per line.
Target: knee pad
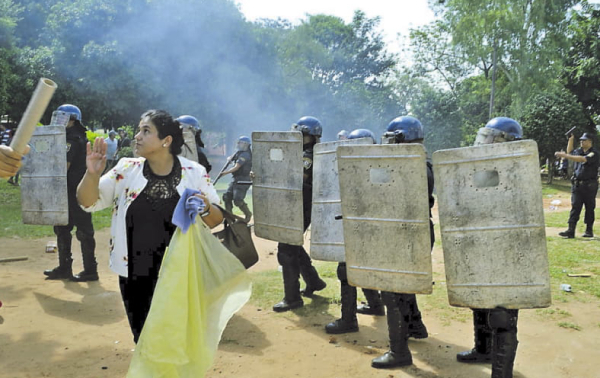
342, 273
227, 197
239, 203
286, 255
503, 319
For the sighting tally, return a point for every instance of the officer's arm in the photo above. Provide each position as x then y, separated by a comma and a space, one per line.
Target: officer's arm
235, 168
570, 144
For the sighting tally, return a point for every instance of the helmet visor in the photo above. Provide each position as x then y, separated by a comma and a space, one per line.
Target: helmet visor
60, 118
487, 135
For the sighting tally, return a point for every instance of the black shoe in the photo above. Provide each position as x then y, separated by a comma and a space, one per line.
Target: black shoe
589, 232
84, 276
365, 309
340, 326
567, 234
284, 305
58, 273
417, 330
474, 357
391, 359
309, 289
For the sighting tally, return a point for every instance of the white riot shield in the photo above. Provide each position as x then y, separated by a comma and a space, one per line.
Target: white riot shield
44, 178
327, 233
188, 150
385, 208
277, 186
492, 224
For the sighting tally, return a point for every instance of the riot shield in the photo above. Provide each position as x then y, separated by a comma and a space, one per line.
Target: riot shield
44, 178
277, 186
492, 225
188, 150
385, 208
327, 233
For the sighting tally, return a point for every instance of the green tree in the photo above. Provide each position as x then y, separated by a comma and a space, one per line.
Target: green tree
582, 66
525, 37
548, 117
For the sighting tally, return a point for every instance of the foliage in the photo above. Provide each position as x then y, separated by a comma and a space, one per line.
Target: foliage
548, 117
582, 66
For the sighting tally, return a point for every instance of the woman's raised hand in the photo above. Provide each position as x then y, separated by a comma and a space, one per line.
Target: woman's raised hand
95, 160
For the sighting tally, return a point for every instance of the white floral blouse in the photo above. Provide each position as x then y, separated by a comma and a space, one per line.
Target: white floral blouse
122, 184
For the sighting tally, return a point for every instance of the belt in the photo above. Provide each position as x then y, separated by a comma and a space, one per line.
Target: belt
578, 182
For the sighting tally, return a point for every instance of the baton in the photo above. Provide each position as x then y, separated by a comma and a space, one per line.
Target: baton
34, 112
568, 133
222, 170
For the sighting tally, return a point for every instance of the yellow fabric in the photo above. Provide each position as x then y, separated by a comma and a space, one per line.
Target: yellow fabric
200, 286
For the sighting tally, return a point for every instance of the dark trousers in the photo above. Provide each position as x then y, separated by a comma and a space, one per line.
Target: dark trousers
236, 193
85, 234
582, 194
137, 292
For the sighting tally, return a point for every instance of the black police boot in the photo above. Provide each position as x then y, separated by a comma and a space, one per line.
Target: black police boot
416, 328
374, 305
589, 231
291, 287
570, 233
348, 323
90, 267
63, 271
85, 276
482, 353
399, 354
504, 351
246, 211
312, 279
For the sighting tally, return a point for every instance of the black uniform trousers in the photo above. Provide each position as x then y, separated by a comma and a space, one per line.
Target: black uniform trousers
85, 234
583, 193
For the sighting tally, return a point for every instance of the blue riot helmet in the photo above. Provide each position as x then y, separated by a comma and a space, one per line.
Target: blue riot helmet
499, 129
190, 122
362, 133
243, 143
309, 126
404, 129
73, 110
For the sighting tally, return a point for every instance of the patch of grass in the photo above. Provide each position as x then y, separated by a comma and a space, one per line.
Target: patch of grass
574, 256
552, 313
570, 326
558, 187
560, 219
437, 302
11, 223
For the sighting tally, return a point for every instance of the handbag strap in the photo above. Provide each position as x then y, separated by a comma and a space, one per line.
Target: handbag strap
228, 216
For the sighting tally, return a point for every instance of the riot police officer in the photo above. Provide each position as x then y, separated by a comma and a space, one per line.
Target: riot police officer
76, 156
584, 184
242, 165
293, 259
403, 315
348, 322
193, 123
495, 329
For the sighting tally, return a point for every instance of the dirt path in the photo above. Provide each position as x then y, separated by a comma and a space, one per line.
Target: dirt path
65, 329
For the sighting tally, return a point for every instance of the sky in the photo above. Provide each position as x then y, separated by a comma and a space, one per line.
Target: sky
396, 16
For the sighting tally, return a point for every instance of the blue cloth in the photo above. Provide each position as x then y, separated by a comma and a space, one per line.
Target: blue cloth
187, 209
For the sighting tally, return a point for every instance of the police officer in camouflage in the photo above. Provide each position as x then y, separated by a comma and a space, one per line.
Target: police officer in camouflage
76, 156
495, 329
584, 185
403, 315
348, 322
242, 165
293, 259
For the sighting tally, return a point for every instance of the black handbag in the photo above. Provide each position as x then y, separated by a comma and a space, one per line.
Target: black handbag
236, 236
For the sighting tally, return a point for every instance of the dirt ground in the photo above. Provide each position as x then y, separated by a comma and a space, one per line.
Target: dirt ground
66, 329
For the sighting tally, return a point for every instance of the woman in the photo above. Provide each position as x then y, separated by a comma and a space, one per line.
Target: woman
144, 192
